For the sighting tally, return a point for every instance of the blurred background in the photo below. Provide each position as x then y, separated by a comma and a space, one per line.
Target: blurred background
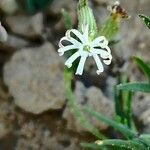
33, 109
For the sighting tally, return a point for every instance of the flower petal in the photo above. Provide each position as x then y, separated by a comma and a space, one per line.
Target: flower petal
99, 64
71, 59
108, 49
100, 41
85, 33
69, 39
66, 48
101, 52
80, 68
76, 33
108, 61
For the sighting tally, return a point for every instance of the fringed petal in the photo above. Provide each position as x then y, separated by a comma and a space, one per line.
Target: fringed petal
100, 41
86, 34
99, 64
80, 68
108, 60
76, 33
71, 40
71, 59
62, 50
101, 52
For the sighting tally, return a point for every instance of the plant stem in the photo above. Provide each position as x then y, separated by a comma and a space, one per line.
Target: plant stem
75, 108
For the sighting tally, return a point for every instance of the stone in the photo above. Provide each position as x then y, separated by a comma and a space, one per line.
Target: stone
34, 77
141, 110
8, 6
26, 25
3, 34
16, 42
37, 136
111, 82
100, 103
55, 9
3, 130
6, 116
95, 99
56, 6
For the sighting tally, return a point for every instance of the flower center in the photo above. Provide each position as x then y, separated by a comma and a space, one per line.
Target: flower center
86, 48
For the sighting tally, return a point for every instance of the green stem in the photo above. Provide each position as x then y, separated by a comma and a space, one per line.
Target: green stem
76, 108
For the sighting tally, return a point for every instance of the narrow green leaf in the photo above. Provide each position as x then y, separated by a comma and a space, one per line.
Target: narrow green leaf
75, 107
123, 101
30, 6
146, 20
146, 139
109, 29
134, 87
68, 24
143, 66
91, 146
113, 42
120, 100
67, 19
116, 143
33, 6
129, 144
119, 127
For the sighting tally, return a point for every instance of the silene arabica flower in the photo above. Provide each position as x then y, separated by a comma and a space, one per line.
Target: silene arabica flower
82, 45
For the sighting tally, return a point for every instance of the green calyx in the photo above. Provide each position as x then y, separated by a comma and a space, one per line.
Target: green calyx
86, 17
86, 48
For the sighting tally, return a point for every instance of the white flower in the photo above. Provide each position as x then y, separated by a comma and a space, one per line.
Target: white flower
83, 46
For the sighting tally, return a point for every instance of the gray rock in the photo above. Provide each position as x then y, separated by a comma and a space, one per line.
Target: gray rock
141, 109
35, 79
3, 130
56, 6
6, 117
8, 6
25, 25
94, 98
36, 136
3, 34
16, 42
55, 10
110, 84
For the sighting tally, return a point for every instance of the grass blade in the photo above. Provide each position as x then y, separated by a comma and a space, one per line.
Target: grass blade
123, 99
115, 143
67, 19
91, 146
143, 66
109, 29
146, 20
134, 87
145, 138
119, 127
75, 108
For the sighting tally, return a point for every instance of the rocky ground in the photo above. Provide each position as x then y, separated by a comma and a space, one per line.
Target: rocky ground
33, 110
